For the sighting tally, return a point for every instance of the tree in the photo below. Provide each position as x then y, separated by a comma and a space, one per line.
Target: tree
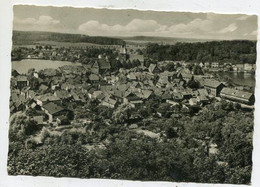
197, 70
122, 113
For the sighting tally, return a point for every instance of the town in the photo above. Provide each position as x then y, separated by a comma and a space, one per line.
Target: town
171, 82
118, 85
103, 93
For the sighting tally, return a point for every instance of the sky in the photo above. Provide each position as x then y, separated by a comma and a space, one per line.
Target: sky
111, 22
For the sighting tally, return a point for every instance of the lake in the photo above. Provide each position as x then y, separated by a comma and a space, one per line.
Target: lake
24, 65
240, 78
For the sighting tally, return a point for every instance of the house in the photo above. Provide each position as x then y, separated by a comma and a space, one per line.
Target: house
162, 82
186, 76
39, 119
248, 67
146, 94
186, 94
203, 96
67, 87
36, 75
166, 96
91, 91
62, 94
50, 72
123, 56
21, 81
53, 110
103, 65
133, 99
96, 93
25, 91
136, 86
228, 67
214, 64
43, 87
173, 103
177, 96
118, 96
43, 99
201, 64
95, 68
240, 67
238, 96
131, 76
153, 68
213, 87
133, 57
93, 78
207, 64
193, 102
110, 102
62, 120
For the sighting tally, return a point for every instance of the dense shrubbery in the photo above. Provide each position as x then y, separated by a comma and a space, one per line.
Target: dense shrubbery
180, 155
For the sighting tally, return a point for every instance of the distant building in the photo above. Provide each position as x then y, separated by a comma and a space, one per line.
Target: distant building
103, 65
123, 55
93, 78
238, 96
214, 64
153, 68
207, 64
213, 87
240, 67
53, 111
133, 99
186, 76
109, 102
140, 58
248, 67
21, 81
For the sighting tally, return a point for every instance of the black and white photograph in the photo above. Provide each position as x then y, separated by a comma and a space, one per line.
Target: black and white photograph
132, 95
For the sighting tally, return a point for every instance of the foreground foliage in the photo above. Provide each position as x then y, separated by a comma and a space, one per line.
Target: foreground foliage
180, 154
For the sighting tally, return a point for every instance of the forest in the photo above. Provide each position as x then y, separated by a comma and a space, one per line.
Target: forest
27, 38
236, 51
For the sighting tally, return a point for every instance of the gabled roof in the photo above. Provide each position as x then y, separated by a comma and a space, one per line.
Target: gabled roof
177, 95
166, 95
136, 57
43, 87
122, 87
152, 67
187, 75
110, 100
93, 77
53, 108
103, 64
133, 97
203, 92
47, 97
131, 76
212, 83
146, 93
236, 93
163, 80
21, 78
95, 65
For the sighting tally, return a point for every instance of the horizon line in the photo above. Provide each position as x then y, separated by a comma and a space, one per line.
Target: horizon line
120, 37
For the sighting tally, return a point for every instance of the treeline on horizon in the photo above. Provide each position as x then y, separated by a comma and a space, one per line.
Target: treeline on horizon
27, 38
235, 51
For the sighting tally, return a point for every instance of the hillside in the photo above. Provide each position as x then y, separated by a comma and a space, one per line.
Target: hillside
160, 40
30, 37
